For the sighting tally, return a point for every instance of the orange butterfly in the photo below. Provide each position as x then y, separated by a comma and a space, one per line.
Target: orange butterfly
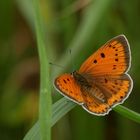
102, 81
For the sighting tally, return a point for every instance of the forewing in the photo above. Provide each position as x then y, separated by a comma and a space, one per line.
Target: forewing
111, 58
68, 87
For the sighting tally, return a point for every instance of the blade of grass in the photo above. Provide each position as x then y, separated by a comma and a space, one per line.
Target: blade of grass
45, 88
63, 106
130, 114
59, 109
26, 9
73, 8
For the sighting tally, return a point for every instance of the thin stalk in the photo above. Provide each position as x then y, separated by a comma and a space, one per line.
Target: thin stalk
59, 109
63, 106
45, 85
128, 113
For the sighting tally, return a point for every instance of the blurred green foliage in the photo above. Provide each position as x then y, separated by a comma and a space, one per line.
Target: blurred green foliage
19, 73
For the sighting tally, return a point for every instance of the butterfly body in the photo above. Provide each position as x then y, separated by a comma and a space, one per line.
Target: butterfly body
87, 85
102, 81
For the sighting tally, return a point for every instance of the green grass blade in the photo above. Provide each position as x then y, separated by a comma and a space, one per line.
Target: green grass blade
63, 106
45, 85
130, 114
25, 6
60, 108
33, 133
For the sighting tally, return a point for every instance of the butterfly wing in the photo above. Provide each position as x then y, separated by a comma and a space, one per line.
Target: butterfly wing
106, 70
94, 102
111, 58
106, 93
115, 88
68, 87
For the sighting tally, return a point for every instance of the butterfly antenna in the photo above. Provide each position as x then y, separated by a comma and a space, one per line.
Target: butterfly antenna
56, 65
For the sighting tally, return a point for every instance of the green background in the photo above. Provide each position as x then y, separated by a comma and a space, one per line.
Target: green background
66, 24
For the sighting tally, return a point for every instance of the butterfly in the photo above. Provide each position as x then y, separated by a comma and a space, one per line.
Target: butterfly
102, 82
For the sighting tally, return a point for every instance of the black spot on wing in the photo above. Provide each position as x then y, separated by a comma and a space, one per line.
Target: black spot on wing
64, 81
68, 79
102, 55
95, 61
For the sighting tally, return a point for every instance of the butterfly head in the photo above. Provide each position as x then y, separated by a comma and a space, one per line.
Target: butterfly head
74, 72
76, 75
80, 79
